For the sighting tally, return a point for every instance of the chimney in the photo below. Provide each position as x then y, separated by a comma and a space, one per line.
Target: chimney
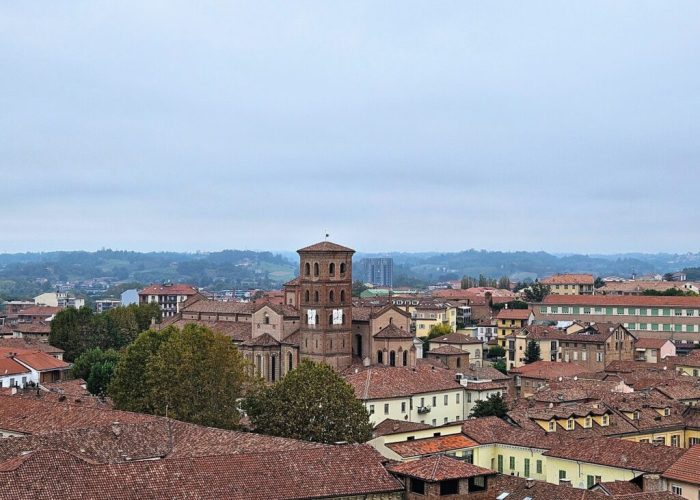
116, 429
529, 483
652, 482
565, 482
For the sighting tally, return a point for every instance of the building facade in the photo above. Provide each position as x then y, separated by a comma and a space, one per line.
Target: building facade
378, 271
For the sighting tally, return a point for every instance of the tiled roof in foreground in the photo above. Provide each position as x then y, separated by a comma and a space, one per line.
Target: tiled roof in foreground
316, 472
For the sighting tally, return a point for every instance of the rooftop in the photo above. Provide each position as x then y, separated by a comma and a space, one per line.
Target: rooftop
687, 467
569, 279
392, 426
438, 468
456, 338
521, 314
622, 300
392, 382
549, 370
325, 246
432, 445
169, 289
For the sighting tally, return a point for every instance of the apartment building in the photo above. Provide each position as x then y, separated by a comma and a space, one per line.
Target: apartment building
645, 316
169, 296
570, 284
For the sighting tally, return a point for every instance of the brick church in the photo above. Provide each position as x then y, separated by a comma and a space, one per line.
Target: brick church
316, 322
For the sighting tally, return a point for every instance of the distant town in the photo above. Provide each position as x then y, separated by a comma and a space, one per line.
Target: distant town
349, 385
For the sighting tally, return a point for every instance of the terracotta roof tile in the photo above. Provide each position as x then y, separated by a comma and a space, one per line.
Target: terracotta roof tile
612, 452
40, 311
391, 382
687, 467
325, 246
456, 338
438, 468
649, 343
9, 366
446, 349
311, 473
568, 279
393, 332
432, 445
521, 314
391, 426
549, 370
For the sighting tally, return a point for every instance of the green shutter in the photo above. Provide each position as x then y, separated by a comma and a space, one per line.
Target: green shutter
590, 481
538, 466
667, 327
500, 464
526, 465
609, 311
577, 310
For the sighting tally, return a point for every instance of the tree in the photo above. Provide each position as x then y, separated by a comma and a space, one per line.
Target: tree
129, 389
598, 283
497, 351
312, 403
493, 406
503, 283
439, 330
532, 353
358, 287
536, 292
469, 282
84, 363
192, 374
500, 365
100, 377
73, 330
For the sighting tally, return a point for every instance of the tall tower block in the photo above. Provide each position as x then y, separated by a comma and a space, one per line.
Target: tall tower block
325, 281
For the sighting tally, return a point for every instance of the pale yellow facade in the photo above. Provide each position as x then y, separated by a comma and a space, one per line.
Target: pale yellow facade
432, 408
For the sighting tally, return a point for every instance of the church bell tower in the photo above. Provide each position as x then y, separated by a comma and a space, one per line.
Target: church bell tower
325, 281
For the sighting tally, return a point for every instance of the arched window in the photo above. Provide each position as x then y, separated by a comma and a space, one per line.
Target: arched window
290, 362
316, 296
330, 319
342, 296
258, 364
273, 368
317, 270
331, 269
380, 357
342, 268
392, 358
306, 295
331, 296
307, 269
391, 320
459, 362
266, 319
405, 358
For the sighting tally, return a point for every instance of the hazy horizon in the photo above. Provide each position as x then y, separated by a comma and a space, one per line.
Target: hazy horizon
571, 127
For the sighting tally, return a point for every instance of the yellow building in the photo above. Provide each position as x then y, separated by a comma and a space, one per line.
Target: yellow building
508, 321
570, 284
427, 316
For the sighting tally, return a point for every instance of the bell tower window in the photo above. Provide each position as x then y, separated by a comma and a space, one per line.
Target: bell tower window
317, 269
331, 269
307, 269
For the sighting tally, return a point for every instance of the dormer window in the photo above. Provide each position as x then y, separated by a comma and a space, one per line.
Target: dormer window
570, 424
588, 422
605, 420
637, 414
667, 412
552, 426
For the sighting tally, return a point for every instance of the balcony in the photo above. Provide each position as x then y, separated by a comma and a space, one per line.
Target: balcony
424, 409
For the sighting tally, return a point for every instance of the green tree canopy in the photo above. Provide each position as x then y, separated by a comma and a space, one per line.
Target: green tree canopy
312, 403
536, 292
493, 406
439, 330
79, 330
497, 351
503, 283
192, 374
95, 366
500, 365
532, 352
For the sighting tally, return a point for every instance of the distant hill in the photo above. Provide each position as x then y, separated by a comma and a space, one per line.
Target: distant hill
27, 274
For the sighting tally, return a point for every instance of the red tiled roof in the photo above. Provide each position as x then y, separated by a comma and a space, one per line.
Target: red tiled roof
325, 246
238, 331
37, 327
568, 279
446, 349
393, 382
438, 468
623, 300
29, 345
167, 289
548, 370
11, 367
616, 488
613, 452
393, 332
521, 314
456, 338
687, 467
40, 361
432, 445
40, 311
649, 343
313, 473
392, 426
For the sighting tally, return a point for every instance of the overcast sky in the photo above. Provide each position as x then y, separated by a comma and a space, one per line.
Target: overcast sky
560, 126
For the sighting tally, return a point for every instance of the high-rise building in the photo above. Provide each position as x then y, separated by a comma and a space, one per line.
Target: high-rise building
378, 271
325, 286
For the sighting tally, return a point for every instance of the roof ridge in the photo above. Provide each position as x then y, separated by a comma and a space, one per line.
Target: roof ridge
437, 462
